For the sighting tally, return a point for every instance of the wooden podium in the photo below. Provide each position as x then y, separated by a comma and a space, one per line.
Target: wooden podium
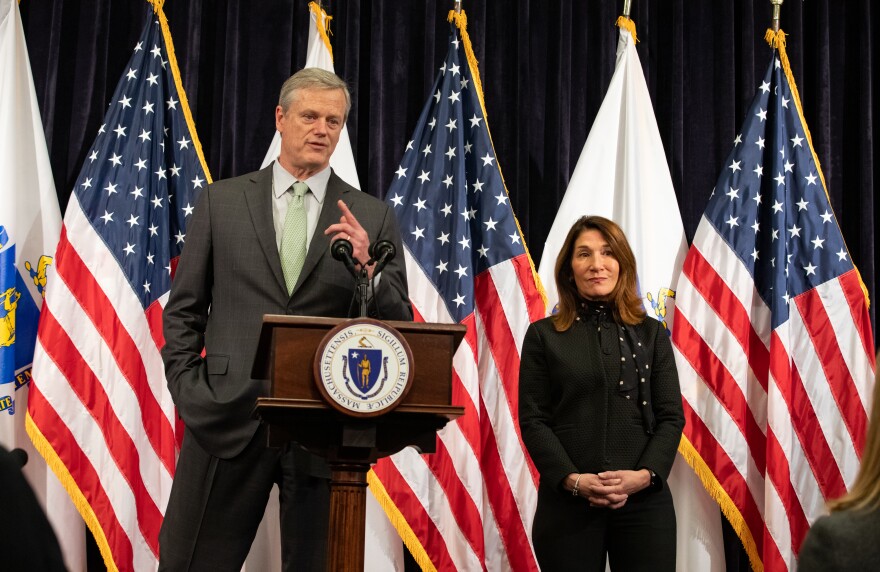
297, 410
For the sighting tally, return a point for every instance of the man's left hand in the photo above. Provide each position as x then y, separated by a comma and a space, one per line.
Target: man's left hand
350, 229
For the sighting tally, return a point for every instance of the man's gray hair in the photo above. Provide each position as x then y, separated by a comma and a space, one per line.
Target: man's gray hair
312, 78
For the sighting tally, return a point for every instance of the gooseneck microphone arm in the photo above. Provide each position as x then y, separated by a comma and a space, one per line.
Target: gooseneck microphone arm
342, 250
381, 253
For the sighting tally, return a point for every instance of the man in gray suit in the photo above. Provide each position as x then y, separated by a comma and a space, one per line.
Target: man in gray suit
260, 244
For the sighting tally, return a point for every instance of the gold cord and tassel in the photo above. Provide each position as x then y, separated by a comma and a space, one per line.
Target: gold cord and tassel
625, 23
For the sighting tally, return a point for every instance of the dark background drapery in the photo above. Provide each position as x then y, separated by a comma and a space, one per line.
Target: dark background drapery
545, 66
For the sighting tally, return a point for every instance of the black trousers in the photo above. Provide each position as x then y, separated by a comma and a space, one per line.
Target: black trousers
569, 534
216, 506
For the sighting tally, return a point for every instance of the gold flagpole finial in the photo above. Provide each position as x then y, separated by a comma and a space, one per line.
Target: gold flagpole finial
777, 4
627, 4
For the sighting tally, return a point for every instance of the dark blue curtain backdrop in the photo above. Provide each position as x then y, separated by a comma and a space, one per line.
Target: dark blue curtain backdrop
545, 66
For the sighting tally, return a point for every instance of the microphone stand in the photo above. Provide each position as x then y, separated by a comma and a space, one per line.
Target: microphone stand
381, 253
341, 250
362, 281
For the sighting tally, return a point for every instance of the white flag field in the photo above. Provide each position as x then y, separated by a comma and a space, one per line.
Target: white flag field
622, 174
30, 223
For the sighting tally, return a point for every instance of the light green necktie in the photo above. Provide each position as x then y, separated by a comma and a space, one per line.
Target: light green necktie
293, 236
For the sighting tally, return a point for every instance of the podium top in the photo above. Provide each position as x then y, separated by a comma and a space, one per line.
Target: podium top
271, 322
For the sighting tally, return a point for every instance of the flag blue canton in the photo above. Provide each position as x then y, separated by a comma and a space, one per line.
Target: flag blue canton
448, 194
770, 203
142, 175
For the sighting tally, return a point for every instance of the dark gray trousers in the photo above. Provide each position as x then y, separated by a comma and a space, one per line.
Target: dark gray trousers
216, 506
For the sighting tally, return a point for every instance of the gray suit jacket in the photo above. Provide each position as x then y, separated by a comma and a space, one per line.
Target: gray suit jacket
230, 275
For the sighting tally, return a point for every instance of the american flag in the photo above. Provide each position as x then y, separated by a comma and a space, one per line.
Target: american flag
469, 506
773, 335
106, 422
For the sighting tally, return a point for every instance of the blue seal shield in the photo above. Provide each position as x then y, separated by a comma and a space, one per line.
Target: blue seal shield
364, 366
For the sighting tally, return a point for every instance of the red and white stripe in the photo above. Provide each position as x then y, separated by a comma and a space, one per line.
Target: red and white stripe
99, 395
471, 503
779, 416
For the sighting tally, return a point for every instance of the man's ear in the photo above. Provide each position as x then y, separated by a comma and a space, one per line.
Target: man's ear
279, 114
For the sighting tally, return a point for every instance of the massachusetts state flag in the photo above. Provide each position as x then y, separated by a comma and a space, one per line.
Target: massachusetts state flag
622, 174
30, 222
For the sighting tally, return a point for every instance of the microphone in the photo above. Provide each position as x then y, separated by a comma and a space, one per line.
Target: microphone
382, 252
342, 250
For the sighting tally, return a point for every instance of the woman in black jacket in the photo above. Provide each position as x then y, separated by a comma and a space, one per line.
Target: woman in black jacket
600, 413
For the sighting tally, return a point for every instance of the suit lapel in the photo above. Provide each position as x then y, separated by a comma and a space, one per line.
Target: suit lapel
320, 244
259, 200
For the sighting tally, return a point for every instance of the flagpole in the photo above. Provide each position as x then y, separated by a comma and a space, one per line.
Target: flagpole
626, 8
457, 6
776, 6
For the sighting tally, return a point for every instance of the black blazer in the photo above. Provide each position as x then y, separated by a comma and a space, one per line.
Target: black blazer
573, 418
230, 276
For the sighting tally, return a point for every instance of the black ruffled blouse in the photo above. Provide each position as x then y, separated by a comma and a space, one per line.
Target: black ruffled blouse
635, 380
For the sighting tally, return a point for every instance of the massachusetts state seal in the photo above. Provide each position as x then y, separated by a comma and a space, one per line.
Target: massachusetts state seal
363, 367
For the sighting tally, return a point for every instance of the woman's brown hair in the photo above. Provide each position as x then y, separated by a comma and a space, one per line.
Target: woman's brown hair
625, 301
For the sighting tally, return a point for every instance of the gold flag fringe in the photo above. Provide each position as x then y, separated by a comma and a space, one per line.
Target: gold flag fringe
323, 25
626, 24
54, 462
777, 41
720, 496
175, 72
399, 523
460, 21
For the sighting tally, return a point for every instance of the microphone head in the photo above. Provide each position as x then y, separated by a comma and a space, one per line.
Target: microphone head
341, 249
382, 249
